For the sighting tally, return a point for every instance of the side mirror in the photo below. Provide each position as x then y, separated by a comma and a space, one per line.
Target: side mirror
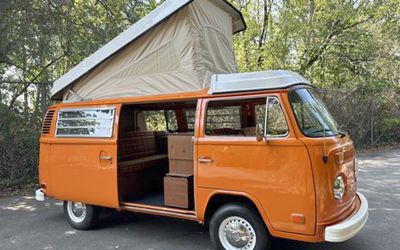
259, 132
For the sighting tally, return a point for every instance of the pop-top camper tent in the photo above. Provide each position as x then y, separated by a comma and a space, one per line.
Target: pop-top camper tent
175, 48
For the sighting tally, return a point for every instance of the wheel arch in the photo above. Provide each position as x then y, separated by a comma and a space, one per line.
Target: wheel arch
219, 198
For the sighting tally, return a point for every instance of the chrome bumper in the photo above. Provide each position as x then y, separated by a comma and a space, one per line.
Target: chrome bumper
349, 227
39, 195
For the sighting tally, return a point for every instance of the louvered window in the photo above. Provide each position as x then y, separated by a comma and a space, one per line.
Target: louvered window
85, 122
47, 122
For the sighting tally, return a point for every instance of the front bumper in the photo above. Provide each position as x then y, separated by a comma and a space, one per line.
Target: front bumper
349, 227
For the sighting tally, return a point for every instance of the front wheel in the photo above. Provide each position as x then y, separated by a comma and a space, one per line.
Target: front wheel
235, 226
81, 216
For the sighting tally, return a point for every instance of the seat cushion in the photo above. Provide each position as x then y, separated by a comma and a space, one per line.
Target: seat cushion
140, 163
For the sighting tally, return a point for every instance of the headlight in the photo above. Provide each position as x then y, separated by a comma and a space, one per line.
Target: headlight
339, 188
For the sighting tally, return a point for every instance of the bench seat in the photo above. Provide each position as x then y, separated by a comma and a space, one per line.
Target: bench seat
141, 163
138, 150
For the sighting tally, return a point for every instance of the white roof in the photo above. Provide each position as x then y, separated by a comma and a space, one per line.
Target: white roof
155, 17
272, 79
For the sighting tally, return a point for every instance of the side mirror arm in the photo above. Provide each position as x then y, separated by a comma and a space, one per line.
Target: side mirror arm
260, 135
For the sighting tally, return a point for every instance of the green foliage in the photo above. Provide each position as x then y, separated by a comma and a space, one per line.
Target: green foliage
335, 43
155, 120
42, 40
18, 147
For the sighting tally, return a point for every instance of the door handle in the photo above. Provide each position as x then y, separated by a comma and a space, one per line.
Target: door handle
206, 160
106, 158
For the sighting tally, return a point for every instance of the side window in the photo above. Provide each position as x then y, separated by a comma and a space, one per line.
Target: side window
260, 114
235, 117
223, 119
190, 116
172, 122
276, 121
85, 122
155, 120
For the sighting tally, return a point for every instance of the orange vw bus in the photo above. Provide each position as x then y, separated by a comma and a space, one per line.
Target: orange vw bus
256, 155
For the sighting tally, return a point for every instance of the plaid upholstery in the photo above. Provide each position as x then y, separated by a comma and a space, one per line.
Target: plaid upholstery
137, 151
134, 145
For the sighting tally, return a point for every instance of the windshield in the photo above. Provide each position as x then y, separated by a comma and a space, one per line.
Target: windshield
311, 114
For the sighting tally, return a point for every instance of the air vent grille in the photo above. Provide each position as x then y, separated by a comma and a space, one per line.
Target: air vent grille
47, 122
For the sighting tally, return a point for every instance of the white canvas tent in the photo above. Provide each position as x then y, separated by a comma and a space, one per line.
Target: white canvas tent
176, 48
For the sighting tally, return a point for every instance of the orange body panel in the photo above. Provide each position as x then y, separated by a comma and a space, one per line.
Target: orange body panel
284, 177
72, 168
279, 175
329, 210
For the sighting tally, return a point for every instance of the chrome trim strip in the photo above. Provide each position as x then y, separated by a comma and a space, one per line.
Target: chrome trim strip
266, 135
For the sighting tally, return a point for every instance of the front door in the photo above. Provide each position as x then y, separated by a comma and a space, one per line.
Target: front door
276, 172
83, 156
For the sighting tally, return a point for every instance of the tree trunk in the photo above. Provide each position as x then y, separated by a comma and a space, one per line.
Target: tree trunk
43, 105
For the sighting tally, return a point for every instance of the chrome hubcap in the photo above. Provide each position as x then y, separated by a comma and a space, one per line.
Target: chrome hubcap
237, 233
76, 211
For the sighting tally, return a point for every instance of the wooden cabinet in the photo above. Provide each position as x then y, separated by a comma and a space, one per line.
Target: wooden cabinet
178, 190
180, 153
181, 167
180, 146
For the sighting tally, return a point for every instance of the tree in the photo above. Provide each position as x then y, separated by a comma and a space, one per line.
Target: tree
43, 39
338, 43
40, 41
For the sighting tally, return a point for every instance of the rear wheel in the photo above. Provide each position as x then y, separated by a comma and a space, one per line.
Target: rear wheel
81, 216
235, 226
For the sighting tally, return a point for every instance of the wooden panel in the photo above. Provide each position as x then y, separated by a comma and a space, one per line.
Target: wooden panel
178, 191
180, 146
162, 211
181, 167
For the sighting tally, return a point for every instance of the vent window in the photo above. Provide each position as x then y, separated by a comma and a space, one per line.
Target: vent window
47, 122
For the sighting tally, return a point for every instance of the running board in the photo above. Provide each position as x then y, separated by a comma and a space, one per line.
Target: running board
157, 210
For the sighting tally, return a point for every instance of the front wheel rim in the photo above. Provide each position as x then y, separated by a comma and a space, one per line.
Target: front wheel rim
237, 233
77, 211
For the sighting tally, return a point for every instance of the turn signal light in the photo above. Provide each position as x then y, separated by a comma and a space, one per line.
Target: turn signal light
298, 218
